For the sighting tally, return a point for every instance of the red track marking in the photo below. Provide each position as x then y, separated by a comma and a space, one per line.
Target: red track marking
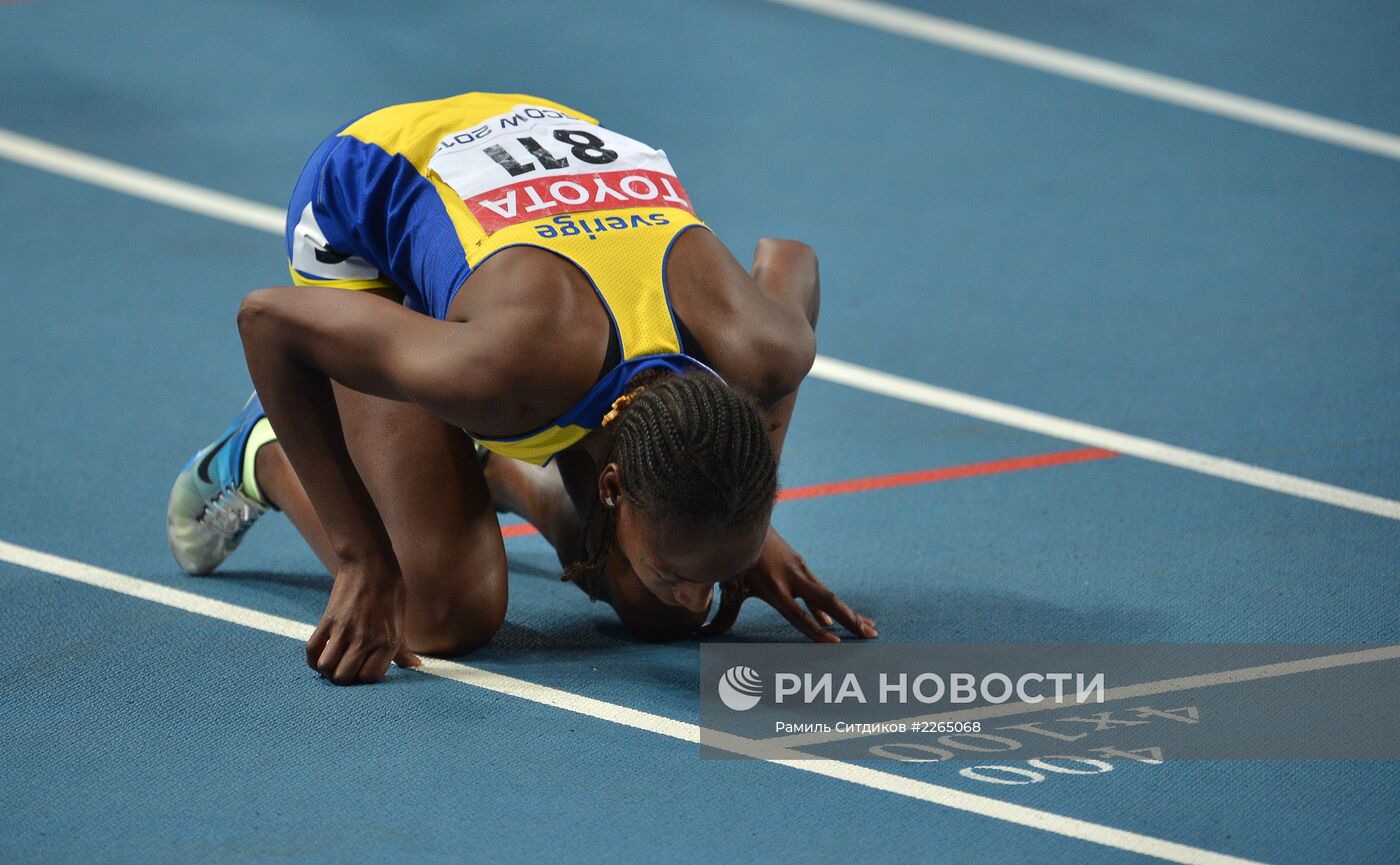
906, 479
948, 473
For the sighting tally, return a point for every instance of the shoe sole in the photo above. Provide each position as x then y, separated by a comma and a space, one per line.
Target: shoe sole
182, 526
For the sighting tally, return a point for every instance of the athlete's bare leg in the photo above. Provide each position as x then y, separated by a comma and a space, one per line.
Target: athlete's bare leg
279, 485
427, 484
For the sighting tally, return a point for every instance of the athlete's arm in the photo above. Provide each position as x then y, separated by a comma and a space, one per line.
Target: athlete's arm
785, 273
296, 340
757, 330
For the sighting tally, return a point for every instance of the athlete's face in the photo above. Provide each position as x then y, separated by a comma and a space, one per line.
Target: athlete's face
677, 563
680, 564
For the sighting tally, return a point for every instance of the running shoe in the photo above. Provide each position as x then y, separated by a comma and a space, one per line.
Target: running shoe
209, 511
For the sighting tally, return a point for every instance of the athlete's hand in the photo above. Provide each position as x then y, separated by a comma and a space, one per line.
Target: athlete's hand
361, 631
780, 579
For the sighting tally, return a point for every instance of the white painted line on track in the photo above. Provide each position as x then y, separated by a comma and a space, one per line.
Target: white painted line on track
947, 797
139, 183
218, 205
1115, 76
915, 391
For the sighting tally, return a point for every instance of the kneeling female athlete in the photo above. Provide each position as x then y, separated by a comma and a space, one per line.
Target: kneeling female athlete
514, 266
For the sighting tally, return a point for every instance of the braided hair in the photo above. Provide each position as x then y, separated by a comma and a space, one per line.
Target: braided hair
689, 448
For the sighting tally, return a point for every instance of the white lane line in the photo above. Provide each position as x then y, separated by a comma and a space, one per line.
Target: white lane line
1125, 692
139, 183
915, 391
947, 797
195, 199
1115, 76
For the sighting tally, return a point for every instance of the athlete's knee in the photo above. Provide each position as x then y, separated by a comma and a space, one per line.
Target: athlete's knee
254, 310
456, 633
451, 626
784, 247
789, 269
456, 603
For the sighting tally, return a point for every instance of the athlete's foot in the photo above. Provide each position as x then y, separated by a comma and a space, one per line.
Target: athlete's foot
213, 504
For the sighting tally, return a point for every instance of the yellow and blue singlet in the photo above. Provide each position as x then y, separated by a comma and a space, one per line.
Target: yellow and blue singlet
416, 196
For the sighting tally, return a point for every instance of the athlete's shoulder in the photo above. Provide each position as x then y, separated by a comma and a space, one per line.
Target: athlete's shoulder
753, 341
414, 129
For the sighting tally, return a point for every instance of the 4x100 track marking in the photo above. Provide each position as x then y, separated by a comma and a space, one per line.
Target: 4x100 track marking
948, 797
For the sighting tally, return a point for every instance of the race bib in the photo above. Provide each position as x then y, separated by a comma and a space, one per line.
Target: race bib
535, 162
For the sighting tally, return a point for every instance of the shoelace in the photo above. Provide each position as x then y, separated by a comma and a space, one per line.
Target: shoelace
230, 513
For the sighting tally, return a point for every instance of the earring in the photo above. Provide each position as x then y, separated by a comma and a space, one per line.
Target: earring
608, 500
